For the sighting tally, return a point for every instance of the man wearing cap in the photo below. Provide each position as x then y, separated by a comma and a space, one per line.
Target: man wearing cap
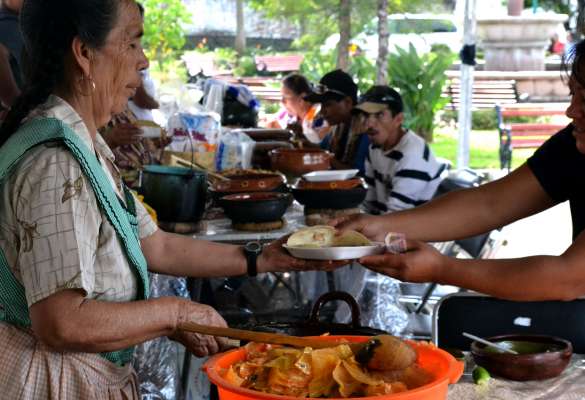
337, 93
400, 168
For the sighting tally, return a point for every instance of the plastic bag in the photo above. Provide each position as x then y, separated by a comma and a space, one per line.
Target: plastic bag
234, 151
198, 132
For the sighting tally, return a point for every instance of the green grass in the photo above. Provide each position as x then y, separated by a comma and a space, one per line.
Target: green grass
483, 152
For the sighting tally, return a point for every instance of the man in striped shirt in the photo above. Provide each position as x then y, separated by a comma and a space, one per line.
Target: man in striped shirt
400, 168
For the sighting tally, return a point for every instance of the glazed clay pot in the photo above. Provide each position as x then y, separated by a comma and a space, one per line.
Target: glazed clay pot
335, 198
299, 161
255, 207
251, 182
329, 185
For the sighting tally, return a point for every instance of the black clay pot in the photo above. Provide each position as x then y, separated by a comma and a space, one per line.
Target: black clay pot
330, 199
255, 206
313, 327
177, 194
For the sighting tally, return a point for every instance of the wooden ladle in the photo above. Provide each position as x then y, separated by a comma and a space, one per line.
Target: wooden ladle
382, 352
192, 164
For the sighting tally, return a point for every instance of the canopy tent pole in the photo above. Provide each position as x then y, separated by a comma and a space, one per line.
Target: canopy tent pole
467, 67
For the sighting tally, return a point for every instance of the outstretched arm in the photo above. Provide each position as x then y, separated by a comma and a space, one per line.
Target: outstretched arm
522, 279
179, 255
67, 321
462, 213
143, 100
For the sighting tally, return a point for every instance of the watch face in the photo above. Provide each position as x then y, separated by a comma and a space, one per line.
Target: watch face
253, 247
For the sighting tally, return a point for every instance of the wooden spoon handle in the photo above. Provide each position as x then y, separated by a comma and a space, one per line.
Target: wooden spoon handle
259, 337
189, 164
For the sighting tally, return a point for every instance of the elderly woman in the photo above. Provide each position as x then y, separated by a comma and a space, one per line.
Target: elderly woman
554, 174
75, 245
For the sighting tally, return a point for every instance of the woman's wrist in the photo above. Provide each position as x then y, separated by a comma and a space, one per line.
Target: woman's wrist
177, 314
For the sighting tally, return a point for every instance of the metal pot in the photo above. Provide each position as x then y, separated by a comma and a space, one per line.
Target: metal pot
177, 194
312, 326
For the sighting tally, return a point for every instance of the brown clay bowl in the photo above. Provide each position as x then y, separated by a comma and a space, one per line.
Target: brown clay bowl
329, 185
260, 155
299, 161
330, 198
540, 356
255, 206
249, 182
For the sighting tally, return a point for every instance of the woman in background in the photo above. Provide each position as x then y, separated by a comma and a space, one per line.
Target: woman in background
299, 115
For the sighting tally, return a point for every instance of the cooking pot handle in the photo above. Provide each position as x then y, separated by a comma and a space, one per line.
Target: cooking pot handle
336, 295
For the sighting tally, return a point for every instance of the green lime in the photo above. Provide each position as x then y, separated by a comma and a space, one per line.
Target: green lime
481, 376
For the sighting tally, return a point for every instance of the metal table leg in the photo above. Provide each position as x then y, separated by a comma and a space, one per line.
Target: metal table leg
194, 286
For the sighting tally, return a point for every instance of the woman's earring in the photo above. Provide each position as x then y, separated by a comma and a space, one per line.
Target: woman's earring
91, 82
89, 79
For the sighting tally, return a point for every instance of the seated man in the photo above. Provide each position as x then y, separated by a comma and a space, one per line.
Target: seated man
400, 169
337, 93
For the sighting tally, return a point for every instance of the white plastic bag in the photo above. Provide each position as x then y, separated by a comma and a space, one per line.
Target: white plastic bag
197, 132
234, 151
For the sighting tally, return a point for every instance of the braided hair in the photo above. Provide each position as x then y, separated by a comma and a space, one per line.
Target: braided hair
48, 29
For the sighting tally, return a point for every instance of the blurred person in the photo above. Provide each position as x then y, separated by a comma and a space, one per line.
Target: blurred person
299, 115
400, 170
337, 94
11, 46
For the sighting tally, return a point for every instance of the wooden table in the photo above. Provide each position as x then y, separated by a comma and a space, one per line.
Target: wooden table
570, 385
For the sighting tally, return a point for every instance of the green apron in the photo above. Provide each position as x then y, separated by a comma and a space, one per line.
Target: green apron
123, 218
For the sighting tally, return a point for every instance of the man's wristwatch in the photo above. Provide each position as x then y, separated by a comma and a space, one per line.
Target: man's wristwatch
252, 251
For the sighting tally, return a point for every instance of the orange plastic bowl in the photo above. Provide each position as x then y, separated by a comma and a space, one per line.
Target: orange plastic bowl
440, 364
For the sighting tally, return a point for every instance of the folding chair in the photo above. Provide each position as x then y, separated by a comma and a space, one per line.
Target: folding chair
486, 316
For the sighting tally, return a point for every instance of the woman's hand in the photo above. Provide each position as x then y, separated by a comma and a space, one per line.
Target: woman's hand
122, 134
198, 344
275, 258
420, 263
370, 225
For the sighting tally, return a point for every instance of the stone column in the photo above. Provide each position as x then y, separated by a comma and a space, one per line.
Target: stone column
517, 43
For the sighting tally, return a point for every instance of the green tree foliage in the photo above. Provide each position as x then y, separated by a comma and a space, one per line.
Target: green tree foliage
420, 80
558, 6
318, 19
164, 35
317, 63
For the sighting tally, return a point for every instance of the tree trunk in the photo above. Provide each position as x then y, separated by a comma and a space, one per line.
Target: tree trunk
580, 20
382, 61
344, 34
240, 44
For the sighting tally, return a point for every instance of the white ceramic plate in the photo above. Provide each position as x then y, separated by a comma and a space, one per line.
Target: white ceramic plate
333, 175
335, 253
